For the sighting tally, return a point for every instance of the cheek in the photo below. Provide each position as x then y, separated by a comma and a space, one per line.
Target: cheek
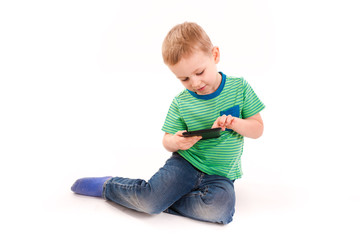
208, 77
186, 84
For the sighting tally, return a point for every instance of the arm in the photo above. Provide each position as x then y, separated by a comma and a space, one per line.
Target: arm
251, 127
176, 142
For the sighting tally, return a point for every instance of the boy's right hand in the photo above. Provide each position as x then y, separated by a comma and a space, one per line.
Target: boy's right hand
184, 143
179, 142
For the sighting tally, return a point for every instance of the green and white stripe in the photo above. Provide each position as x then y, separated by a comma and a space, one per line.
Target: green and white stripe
219, 156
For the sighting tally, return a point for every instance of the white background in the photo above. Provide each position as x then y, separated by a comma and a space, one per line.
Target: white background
84, 92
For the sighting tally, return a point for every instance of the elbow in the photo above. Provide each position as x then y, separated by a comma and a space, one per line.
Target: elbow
257, 136
259, 132
167, 143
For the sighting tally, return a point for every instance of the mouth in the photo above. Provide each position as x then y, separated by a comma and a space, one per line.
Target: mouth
201, 89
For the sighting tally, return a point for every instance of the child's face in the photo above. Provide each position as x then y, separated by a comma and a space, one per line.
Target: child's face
198, 72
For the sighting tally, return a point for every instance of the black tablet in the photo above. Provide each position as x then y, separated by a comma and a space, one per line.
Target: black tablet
205, 133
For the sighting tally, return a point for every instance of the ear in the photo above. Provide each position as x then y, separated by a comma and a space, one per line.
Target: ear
216, 54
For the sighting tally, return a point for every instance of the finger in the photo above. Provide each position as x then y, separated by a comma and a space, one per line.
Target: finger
188, 142
222, 120
229, 119
195, 138
190, 139
216, 123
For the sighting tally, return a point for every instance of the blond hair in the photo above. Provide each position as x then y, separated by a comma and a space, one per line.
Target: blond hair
182, 40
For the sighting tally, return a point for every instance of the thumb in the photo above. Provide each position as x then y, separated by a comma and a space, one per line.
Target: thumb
180, 133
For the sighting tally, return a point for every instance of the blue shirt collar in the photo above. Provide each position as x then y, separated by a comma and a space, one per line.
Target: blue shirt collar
214, 94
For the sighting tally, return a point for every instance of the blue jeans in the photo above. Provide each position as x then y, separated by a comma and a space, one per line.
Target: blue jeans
177, 188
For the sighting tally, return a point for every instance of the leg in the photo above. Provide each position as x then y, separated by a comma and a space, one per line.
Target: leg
212, 201
177, 178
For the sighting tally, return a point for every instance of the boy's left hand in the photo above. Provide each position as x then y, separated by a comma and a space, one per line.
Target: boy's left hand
223, 122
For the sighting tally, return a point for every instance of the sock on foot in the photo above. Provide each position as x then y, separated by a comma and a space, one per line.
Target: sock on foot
90, 186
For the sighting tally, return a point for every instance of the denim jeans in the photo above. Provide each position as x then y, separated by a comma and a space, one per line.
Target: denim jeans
177, 188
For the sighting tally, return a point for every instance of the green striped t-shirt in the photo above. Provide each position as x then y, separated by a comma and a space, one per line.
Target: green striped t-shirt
191, 112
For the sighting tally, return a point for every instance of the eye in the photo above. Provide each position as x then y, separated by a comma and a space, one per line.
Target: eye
198, 74
184, 79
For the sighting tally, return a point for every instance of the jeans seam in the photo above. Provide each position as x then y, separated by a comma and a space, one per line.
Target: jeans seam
200, 179
104, 188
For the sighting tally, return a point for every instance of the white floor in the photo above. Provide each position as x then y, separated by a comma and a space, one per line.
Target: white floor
84, 92
280, 196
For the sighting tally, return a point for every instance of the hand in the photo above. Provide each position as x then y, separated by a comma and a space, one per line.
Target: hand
223, 122
184, 143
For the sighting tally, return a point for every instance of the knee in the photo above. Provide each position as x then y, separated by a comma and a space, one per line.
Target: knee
219, 207
152, 209
153, 204
223, 211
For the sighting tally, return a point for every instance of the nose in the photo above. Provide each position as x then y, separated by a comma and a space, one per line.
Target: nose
196, 82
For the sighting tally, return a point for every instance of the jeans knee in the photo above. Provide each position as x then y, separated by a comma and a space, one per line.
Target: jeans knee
217, 213
220, 207
152, 209
223, 214
227, 216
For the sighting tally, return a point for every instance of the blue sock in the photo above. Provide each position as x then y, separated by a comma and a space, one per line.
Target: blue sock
89, 186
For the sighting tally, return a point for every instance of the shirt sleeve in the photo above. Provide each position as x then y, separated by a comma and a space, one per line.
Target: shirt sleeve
174, 122
252, 104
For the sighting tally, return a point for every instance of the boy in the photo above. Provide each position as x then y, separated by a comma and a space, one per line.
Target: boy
197, 181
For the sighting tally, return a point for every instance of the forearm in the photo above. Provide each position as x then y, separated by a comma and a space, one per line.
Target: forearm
250, 127
169, 144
